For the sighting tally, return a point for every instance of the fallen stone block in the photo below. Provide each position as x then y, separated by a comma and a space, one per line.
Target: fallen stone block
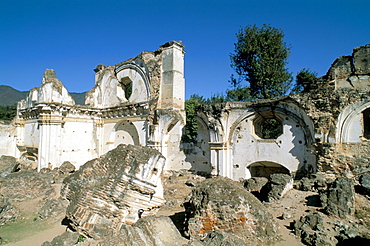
115, 189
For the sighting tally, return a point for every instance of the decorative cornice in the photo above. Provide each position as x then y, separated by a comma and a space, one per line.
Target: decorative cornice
43, 111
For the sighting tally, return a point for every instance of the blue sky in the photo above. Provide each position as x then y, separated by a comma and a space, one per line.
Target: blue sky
72, 37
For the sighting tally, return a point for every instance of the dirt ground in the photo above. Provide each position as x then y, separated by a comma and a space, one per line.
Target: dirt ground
27, 231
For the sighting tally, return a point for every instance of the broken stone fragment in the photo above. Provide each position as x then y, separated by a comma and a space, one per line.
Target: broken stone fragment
66, 239
8, 164
7, 211
255, 184
311, 231
115, 189
339, 199
25, 185
278, 185
365, 183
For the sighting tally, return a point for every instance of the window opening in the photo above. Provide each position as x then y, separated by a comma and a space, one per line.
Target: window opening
127, 86
268, 126
366, 122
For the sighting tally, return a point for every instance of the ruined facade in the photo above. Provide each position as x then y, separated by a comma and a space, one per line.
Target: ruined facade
325, 128
141, 102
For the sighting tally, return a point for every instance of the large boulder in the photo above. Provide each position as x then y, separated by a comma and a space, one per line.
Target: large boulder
8, 164
67, 238
117, 188
7, 211
278, 185
310, 229
339, 199
25, 185
221, 204
52, 208
148, 231
365, 183
255, 184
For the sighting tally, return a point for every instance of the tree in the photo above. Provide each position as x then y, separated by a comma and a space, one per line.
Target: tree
260, 58
303, 79
239, 92
8, 112
191, 127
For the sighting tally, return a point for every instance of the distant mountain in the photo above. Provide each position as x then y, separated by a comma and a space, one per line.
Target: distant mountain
10, 96
79, 97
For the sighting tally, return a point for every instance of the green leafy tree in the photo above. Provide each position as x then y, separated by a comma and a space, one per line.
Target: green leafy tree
259, 58
191, 127
239, 92
303, 79
8, 112
216, 98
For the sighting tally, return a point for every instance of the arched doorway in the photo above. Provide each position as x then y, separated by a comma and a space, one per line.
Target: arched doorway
126, 133
265, 168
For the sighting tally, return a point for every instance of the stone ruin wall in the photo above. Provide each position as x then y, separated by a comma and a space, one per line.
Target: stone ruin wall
329, 113
332, 102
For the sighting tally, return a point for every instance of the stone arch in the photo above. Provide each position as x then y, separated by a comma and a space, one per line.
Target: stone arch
265, 168
293, 149
305, 123
215, 128
131, 73
125, 132
350, 124
165, 134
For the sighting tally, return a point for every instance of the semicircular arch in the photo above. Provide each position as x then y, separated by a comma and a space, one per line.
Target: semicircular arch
266, 168
138, 77
306, 124
349, 124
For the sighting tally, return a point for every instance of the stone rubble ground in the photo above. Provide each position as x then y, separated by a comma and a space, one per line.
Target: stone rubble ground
317, 227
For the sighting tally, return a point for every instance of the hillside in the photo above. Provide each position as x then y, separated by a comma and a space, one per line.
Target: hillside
10, 96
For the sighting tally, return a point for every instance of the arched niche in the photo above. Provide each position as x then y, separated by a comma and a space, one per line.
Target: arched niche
134, 81
353, 123
125, 132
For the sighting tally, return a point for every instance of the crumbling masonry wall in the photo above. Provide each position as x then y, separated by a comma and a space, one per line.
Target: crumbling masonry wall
325, 128
141, 102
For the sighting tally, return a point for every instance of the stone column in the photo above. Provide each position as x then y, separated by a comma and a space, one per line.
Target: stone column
218, 158
173, 83
50, 139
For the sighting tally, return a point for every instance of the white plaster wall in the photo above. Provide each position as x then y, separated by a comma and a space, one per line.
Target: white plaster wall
77, 143
7, 140
32, 134
288, 150
198, 153
142, 130
175, 157
107, 91
108, 137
